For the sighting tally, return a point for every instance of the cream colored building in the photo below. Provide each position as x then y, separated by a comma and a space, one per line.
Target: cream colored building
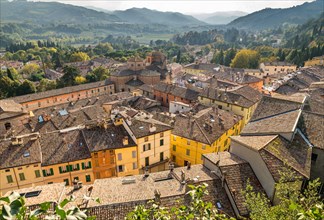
271, 68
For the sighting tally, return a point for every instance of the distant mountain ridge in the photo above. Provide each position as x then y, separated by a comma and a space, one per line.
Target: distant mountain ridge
220, 17
52, 12
55, 12
272, 18
148, 16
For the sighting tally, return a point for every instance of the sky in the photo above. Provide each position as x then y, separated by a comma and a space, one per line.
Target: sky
188, 7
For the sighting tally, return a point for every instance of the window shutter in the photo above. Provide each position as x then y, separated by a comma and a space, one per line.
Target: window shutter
44, 173
78, 166
89, 164
70, 168
52, 172
82, 165
60, 168
67, 168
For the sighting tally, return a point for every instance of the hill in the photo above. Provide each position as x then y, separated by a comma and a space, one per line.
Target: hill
272, 18
148, 16
220, 17
51, 12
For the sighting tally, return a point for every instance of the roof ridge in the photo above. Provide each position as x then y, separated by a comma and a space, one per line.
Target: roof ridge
202, 132
275, 115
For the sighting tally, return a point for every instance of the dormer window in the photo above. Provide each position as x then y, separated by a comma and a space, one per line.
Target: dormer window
26, 154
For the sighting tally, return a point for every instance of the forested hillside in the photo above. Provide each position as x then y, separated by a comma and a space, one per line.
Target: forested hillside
273, 18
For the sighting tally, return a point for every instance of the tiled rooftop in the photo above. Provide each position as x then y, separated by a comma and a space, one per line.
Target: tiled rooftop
270, 106
10, 106
112, 190
176, 91
237, 173
63, 147
312, 125
244, 96
206, 126
254, 142
103, 139
281, 123
56, 92
49, 193
29, 152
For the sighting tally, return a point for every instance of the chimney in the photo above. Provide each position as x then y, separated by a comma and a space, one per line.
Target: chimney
157, 196
188, 165
152, 128
183, 177
146, 172
125, 140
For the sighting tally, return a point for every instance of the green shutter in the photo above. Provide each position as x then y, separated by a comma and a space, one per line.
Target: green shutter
82, 166
44, 173
52, 172
70, 168
60, 168
89, 164
67, 168
78, 166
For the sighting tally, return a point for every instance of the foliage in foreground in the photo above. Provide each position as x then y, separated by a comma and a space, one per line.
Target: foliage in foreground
14, 207
196, 209
292, 203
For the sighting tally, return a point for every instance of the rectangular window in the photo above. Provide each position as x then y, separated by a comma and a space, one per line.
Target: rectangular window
9, 179
146, 139
174, 158
96, 163
242, 109
37, 174
161, 142
120, 156
134, 154
188, 152
76, 178
188, 142
88, 178
161, 156
134, 166
147, 147
95, 155
22, 177
225, 143
121, 168
147, 161
220, 107
161, 135
174, 138
174, 147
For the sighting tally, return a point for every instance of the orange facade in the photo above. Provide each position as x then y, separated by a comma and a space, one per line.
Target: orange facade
166, 98
68, 97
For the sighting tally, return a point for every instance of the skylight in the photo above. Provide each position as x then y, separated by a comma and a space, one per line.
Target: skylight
26, 154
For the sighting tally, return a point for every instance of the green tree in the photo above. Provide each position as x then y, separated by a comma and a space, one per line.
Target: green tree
26, 87
103, 48
292, 203
230, 54
246, 59
15, 208
80, 80
46, 84
101, 73
30, 69
79, 56
68, 79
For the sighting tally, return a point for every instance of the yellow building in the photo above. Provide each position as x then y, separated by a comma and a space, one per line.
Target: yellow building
113, 152
152, 138
204, 132
20, 163
65, 158
241, 100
